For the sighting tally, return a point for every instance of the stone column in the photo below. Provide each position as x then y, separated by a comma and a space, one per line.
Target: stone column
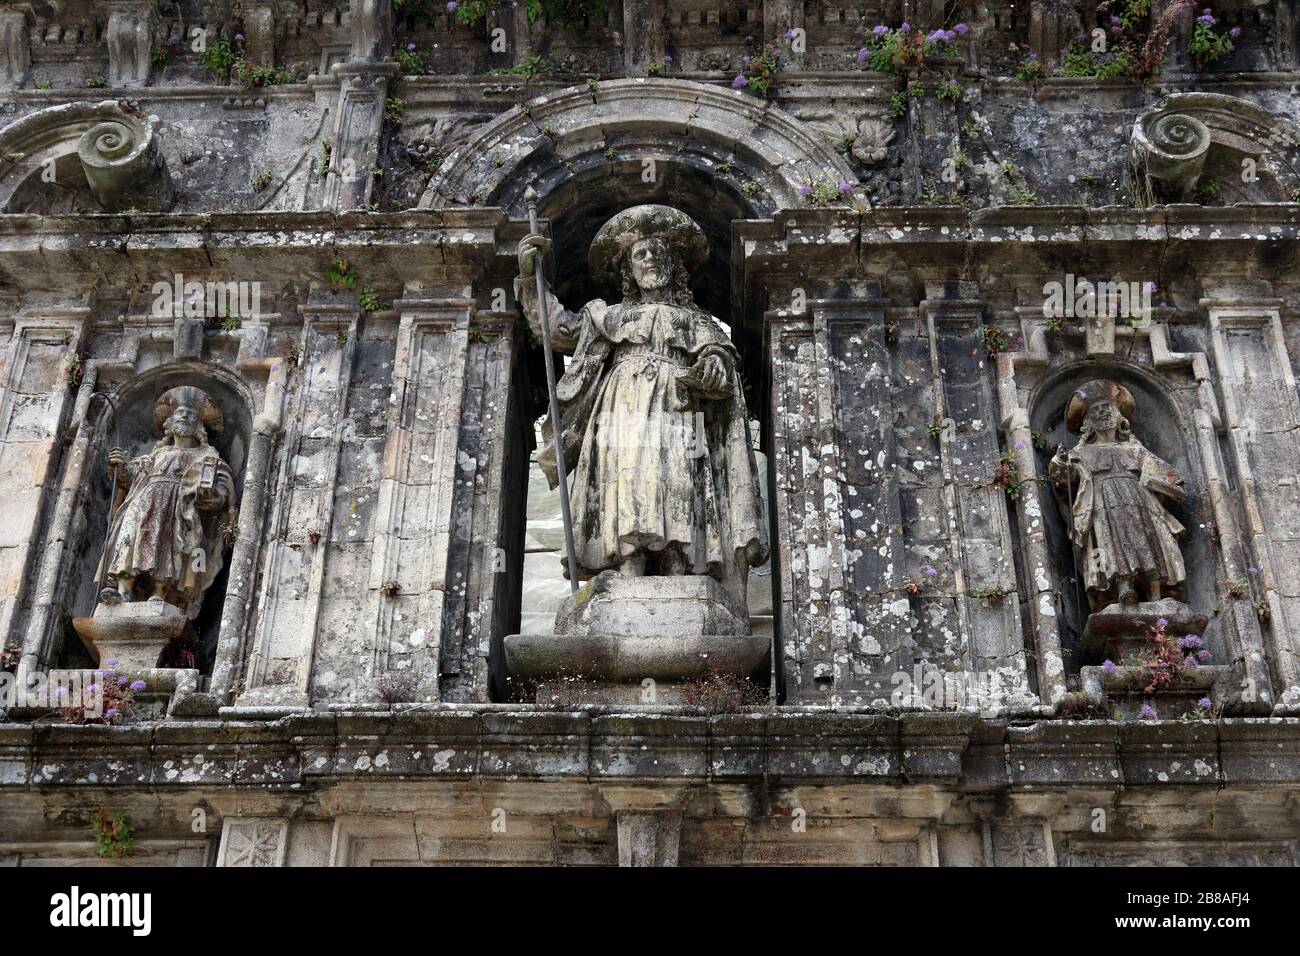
279, 669
975, 509
355, 142
129, 36
15, 48
36, 398
645, 32
1261, 415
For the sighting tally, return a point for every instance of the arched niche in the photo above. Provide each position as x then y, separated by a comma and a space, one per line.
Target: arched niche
127, 422
1164, 427
716, 153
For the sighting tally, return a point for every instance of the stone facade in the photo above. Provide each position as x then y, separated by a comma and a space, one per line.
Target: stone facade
313, 213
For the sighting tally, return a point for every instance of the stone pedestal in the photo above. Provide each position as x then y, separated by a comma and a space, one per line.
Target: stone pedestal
1118, 631
617, 633
134, 633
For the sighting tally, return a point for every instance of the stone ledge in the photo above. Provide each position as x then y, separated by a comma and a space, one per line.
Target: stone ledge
495, 743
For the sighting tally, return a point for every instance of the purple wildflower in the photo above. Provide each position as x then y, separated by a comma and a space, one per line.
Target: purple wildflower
1191, 663
1234, 32
667, 58
453, 6
1147, 712
936, 37
1162, 622
111, 662
1205, 704
846, 187
961, 29
1108, 667
239, 37
930, 570
879, 30
1202, 656
906, 27
1190, 642
410, 46
791, 34
863, 54
805, 190
739, 81
1207, 18
121, 682
110, 713
138, 685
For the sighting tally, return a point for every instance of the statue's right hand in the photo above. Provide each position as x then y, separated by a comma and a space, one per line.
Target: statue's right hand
530, 247
116, 459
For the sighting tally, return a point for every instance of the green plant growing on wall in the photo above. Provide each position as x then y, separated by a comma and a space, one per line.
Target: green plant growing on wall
1208, 45
368, 300
114, 837
898, 103
219, 57
410, 60
260, 181
341, 275
950, 91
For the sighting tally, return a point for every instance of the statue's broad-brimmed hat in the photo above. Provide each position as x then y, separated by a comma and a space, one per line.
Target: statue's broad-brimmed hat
679, 231
1098, 390
192, 397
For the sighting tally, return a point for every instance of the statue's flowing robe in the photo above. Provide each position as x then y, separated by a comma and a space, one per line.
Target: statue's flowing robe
159, 526
652, 463
1120, 524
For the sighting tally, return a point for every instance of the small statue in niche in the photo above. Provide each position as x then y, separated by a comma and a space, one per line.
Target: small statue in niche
166, 539
653, 416
1112, 486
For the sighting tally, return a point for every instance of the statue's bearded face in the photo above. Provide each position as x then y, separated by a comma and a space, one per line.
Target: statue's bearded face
1102, 416
652, 264
184, 421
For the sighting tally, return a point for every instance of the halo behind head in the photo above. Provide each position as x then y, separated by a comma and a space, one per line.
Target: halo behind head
1099, 389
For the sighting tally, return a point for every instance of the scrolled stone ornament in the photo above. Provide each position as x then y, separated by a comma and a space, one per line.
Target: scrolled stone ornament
1170, 148
123, 165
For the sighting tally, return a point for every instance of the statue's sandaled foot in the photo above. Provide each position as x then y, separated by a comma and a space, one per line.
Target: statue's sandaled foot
110, 596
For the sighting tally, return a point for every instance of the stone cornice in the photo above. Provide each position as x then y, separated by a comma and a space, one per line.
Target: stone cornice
509, 742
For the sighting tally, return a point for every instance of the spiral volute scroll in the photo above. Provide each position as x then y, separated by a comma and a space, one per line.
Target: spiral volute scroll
1171, 149
123, 165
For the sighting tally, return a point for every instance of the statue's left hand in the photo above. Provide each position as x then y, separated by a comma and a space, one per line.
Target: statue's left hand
713, 373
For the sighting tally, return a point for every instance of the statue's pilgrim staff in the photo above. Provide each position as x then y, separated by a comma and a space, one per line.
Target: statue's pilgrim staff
112, 494
557, 429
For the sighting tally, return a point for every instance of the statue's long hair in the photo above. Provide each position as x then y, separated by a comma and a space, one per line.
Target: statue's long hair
679, 285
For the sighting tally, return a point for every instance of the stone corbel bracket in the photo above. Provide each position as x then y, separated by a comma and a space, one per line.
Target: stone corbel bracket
1174, 139
118, 150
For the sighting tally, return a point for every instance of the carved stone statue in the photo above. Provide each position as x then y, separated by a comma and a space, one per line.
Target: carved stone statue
654, 425
1112, 487
167, 538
